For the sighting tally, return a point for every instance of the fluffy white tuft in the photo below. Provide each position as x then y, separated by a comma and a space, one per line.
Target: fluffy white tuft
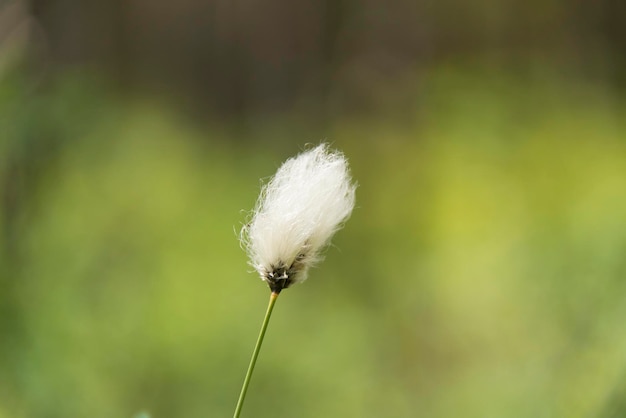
299, 209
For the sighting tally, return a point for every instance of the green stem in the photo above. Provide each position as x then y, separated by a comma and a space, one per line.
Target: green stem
255, 354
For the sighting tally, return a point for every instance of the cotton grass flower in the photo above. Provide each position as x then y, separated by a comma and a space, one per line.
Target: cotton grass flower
299, 209
297, 213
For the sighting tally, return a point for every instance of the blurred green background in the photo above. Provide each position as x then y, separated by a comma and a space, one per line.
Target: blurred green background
482, 274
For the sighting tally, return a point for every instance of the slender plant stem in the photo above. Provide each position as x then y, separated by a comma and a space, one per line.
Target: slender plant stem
255, 354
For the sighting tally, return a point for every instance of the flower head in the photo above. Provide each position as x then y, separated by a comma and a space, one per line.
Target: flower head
299, 209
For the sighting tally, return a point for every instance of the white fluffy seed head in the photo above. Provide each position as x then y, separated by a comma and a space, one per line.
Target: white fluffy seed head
298, 211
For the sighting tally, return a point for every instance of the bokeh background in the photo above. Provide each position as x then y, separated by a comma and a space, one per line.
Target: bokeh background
483, 272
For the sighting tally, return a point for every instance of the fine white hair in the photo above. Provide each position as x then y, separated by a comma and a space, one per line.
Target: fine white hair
298, 211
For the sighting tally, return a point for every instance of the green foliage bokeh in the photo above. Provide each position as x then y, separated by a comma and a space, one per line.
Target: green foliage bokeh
482, 273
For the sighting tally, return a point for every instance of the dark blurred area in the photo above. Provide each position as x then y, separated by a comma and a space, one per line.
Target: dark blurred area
248, 57
482, 273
